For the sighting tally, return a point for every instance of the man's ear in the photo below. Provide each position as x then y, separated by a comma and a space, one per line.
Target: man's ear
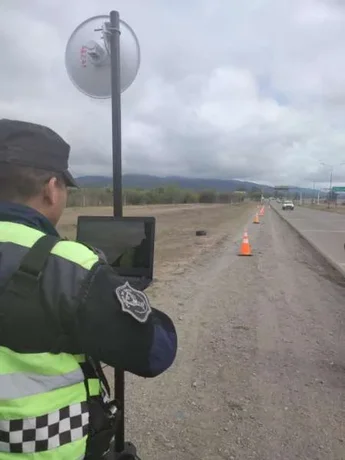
50, 191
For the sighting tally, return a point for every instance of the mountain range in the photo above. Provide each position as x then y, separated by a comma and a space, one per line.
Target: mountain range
146, 182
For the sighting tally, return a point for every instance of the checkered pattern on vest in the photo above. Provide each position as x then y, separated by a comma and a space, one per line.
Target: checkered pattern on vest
45, 432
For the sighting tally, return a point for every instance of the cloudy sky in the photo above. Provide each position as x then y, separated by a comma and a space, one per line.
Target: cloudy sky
253, 90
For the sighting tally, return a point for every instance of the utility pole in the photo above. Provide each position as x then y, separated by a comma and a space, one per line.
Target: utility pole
330, 196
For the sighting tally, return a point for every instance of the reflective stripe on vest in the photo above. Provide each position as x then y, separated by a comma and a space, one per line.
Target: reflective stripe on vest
27, 237
13, 386
43, 408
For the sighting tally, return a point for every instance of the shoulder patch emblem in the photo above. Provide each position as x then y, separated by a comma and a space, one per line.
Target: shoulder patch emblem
133, 302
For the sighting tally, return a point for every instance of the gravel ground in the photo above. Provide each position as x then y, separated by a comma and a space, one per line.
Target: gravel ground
260, 372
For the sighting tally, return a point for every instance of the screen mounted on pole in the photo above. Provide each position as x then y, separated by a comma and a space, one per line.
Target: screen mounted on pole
127, 242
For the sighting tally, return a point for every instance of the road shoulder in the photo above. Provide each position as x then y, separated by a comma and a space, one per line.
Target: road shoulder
312, 241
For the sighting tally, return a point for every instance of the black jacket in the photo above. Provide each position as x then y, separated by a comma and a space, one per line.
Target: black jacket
87, 309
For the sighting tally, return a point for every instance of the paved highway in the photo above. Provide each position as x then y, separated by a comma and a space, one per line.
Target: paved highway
324, 230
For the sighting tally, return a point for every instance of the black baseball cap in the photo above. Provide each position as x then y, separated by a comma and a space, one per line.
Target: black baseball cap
36, 146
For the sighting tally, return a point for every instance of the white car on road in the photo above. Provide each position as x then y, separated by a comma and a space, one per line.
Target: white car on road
288, 205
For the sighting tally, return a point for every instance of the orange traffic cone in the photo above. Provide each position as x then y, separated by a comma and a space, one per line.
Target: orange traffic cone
262, 212
245, 249
256, 219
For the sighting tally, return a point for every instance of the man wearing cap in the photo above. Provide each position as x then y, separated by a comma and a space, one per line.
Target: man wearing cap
63, 310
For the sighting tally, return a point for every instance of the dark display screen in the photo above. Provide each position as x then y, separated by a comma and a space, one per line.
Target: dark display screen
127, 244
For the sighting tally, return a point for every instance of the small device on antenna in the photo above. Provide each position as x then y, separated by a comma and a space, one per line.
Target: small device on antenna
88, 58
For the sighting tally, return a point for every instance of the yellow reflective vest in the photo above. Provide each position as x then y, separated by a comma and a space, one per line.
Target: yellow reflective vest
44, 412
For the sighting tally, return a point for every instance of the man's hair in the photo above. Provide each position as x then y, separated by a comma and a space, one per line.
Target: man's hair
22, 183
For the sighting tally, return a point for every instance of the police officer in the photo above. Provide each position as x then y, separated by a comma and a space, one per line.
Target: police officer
62, 312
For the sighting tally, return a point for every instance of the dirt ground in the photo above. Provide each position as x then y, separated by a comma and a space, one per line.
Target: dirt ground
176, 245
260, 372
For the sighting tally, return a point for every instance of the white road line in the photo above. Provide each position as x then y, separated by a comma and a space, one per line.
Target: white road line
322, 231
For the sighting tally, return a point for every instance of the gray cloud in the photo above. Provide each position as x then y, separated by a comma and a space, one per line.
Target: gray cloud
252, 90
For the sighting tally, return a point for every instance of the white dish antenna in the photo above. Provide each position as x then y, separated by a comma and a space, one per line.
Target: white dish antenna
88, 61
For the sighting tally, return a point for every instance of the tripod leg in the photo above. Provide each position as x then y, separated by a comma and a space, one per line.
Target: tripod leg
130, 453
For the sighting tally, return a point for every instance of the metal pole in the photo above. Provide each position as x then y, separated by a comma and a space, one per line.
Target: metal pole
117, 189
116, 110
330, 188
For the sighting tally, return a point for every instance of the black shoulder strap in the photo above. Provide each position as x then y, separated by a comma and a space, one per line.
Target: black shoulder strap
32, 264
35, 259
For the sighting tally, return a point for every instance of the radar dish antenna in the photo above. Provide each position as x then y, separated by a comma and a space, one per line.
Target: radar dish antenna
88, 57
98, 69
